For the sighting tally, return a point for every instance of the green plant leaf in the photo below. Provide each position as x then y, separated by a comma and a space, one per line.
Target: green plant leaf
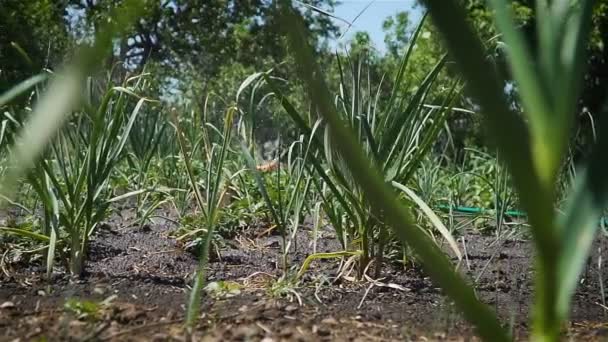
430, 214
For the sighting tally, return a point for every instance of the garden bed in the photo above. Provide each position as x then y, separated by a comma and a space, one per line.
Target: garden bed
136, 289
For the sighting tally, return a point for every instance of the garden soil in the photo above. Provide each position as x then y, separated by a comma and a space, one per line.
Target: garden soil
137, 281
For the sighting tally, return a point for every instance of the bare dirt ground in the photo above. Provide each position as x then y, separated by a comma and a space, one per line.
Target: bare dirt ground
138, 278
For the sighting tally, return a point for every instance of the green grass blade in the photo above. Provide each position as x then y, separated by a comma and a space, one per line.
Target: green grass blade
125, 134
247, 82
533, 93
48, 116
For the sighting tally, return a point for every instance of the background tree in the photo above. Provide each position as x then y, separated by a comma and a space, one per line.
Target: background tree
33, 36
595, 85
190, 47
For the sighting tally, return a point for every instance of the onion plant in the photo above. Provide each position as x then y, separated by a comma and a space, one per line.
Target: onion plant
533, 147
395, 137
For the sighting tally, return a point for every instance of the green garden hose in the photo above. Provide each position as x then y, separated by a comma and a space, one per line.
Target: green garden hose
476, 210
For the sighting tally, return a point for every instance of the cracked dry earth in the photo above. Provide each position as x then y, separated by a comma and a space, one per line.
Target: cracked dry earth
137, 283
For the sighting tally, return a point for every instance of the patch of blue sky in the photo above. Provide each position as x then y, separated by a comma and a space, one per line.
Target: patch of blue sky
368, 16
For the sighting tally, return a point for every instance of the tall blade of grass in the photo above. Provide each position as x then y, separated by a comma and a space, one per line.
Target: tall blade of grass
549, 134
247, 82
23, 54
3, 133
322, 11
124, 136
329, 208
48, 116
344, 94
379, 195
371, 141
220, 164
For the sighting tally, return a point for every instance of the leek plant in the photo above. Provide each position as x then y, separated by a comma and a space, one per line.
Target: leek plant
172, 174
148, 132
209, 200
292, 184
63, 95
532, 146
249, 107
395, 137
77, 169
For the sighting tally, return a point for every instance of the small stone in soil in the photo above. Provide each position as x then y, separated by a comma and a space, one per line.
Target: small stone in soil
7, 305
160, 337
245, 332
329, 321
